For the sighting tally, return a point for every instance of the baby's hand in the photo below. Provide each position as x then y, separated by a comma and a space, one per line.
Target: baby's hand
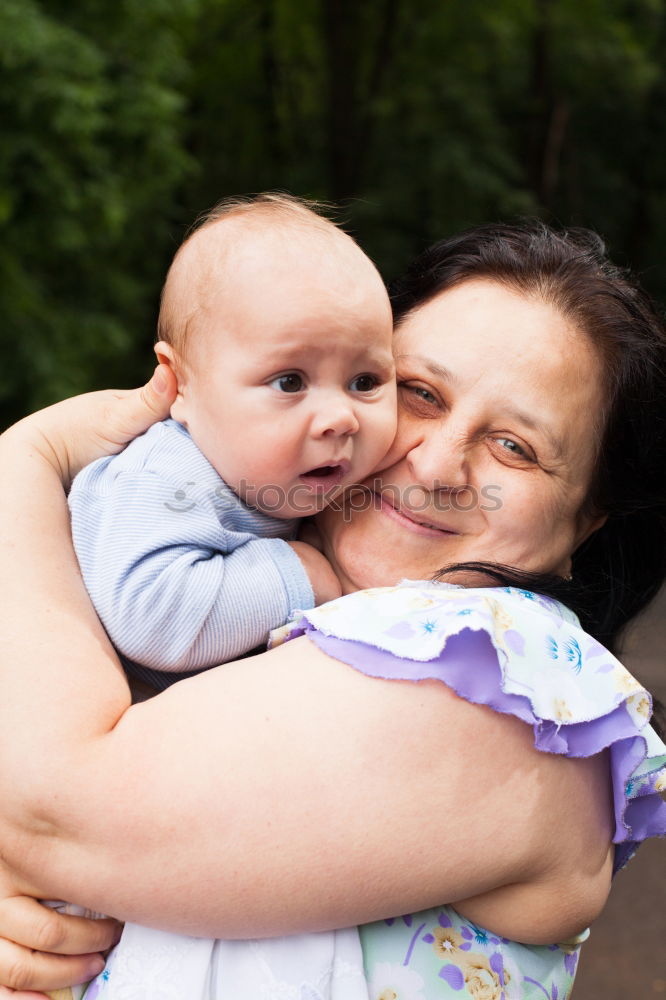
325, 583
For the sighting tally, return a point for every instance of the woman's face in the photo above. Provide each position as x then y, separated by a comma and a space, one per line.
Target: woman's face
500, 402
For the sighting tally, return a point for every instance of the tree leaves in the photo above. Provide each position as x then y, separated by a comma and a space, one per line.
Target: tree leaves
121, 122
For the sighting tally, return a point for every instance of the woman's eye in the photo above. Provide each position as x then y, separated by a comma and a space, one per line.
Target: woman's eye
291, 382
508, 444
422, 394
364, 383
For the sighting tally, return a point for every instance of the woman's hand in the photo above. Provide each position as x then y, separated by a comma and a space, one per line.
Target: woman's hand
76, 431
42, 949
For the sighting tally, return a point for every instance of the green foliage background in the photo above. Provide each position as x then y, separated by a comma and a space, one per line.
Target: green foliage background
122, 120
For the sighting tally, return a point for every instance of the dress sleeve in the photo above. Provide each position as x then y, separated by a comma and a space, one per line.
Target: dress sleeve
519, 654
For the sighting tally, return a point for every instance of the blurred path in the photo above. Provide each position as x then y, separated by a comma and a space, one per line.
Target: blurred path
625, 958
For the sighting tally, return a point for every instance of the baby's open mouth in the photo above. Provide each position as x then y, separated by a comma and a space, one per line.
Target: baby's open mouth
323, 472
325, 477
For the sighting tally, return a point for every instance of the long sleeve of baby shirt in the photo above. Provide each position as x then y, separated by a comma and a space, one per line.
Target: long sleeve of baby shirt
182, 574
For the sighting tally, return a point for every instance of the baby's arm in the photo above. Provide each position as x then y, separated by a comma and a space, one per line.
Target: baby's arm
174, 589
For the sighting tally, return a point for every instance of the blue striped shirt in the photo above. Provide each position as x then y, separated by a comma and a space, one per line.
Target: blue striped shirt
181, 572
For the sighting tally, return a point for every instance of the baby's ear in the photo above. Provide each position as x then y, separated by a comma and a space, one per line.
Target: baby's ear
167, 356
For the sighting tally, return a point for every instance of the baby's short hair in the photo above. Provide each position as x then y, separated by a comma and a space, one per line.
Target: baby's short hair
269, 207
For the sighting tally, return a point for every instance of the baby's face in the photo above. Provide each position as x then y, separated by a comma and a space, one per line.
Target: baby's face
290, 387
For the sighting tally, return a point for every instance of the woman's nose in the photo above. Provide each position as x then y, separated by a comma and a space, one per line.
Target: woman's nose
335, 416
438, 461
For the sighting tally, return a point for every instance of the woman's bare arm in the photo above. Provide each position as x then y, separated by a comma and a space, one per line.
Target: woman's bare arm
202, 809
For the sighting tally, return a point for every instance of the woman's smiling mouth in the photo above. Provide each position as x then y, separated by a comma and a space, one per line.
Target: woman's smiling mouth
411, 520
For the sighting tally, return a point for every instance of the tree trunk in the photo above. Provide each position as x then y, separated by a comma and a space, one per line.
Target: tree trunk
342, 42
550, 114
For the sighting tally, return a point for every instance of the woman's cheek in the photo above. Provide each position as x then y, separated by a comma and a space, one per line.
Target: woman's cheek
536, 535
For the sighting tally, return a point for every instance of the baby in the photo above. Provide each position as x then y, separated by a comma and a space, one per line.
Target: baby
278, 329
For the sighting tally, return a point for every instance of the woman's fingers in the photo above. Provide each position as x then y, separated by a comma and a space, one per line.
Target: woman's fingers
25, 970
76, 431
7, 994
46, 950
132, 413
160, 392
27, 922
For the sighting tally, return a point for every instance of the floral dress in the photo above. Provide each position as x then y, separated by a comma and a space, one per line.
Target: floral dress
444, 955
512, 650
525, 655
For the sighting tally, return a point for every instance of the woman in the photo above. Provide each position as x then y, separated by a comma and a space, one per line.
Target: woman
548, 425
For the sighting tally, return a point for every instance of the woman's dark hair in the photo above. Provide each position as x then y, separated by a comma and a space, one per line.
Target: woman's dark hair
620, 568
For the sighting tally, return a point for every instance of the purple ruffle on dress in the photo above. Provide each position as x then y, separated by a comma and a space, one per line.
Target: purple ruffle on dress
519, 654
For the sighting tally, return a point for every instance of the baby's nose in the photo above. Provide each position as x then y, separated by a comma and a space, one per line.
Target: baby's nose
335, 417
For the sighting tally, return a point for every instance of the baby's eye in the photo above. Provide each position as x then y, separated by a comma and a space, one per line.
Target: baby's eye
291, 382
364, 383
